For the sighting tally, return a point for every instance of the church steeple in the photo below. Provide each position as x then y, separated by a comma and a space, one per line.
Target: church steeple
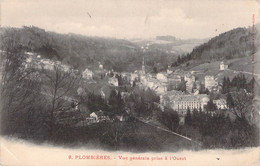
143, 66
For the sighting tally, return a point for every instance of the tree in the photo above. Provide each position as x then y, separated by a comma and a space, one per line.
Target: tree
250, 85
242, 104
155, 71
188, 120
134, 83
170, 118
210, 106
182, 85
230, 102
60, 88
116, 102
21, 104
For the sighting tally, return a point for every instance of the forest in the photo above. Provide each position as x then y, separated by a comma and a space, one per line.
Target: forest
235, 43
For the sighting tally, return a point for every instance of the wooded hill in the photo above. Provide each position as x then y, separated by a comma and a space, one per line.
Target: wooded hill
121, 55
236, 43
81, 51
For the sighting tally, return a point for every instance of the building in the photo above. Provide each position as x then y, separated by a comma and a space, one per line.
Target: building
181, 102
87, 74
142, 72
190, 80
161, 77
174, 81
100, 65
103, 95
220, 103
210, 82
169, 70
134, 76
47, 64
113, 81
99, 116
222, 66
160, 89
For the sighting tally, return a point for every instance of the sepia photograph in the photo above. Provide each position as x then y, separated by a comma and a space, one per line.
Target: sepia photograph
121, 82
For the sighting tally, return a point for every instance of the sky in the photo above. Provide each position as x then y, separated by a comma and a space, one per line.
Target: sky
130, 19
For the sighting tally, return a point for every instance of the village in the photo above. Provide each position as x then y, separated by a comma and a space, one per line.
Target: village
179, 90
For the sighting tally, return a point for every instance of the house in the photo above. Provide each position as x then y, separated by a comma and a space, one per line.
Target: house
174, 81
190, 80
87, 74
222, 66
210, 82
134, 76
100, 66
169, 70
99, 116
220, 103
103, 95
47, 64
122, 118
66, 68
161, 77
113, 81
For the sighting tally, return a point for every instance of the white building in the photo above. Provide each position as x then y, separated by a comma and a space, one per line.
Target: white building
161, 77
181, 102
47, 64
87, 74
99, 116
220, 103
169, 71
190, 80
210, 82
113, 81
222, 66
100, 66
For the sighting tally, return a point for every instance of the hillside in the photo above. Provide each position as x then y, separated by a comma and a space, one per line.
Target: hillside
234, 44
75, 50
81, 51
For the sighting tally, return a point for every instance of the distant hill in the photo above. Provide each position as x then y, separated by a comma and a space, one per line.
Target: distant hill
170, 44
167, 38
122, 55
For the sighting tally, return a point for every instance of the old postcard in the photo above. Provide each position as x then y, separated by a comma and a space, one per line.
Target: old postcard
129, 82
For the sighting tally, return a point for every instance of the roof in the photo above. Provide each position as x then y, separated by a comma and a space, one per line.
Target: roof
98, 113
220, 101
190, 97
173, 92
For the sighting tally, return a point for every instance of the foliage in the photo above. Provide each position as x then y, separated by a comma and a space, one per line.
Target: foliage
235, 43
210, 106
218, 131
188, 119
170, 118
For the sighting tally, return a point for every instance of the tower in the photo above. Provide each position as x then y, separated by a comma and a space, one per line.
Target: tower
143, 67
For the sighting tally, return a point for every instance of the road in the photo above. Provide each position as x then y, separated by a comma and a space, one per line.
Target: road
160, 128
245, 72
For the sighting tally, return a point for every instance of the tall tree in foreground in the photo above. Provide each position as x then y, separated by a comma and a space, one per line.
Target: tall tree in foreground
242, 106
22, 108
188, 120
60, 88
